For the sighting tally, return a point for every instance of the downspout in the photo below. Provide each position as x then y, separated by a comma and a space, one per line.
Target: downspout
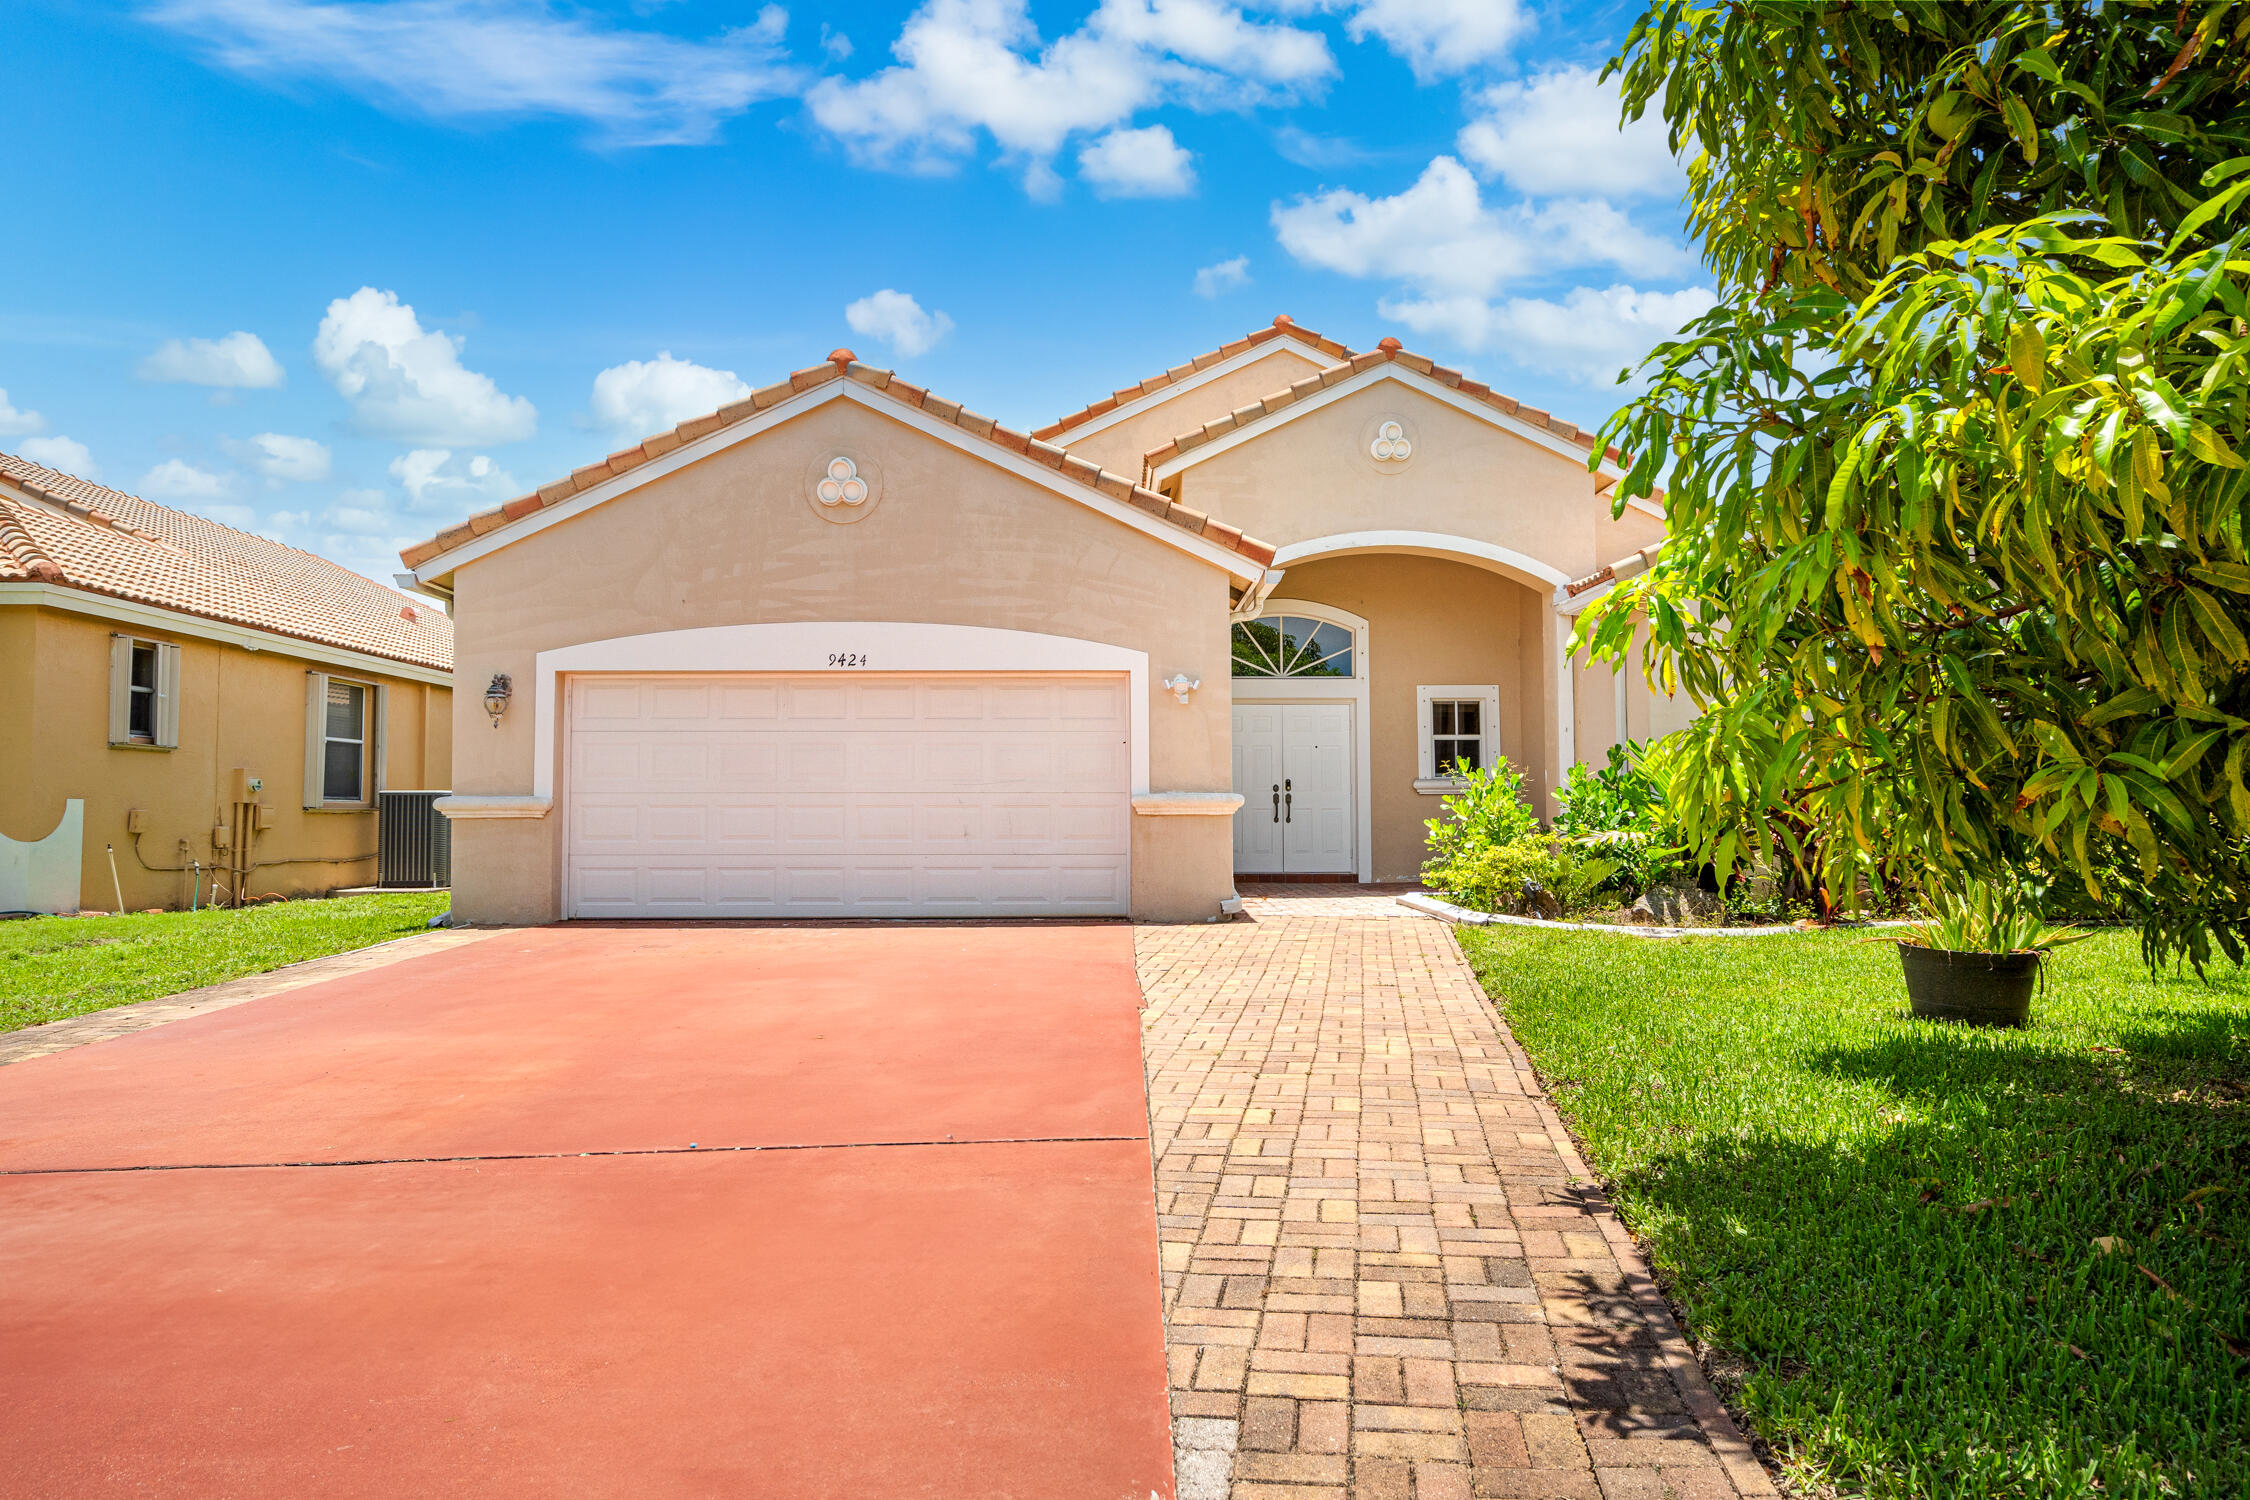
1253, 601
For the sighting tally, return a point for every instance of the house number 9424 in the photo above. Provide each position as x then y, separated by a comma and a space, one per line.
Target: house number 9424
847, 659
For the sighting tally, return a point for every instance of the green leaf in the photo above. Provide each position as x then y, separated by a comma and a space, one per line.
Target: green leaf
2027, 354
2232, 576
2211, 618
2018, 115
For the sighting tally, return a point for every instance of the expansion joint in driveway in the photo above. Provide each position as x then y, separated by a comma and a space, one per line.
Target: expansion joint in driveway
697, 1150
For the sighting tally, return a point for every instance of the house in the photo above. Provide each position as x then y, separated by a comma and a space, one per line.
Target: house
846, 649
210, 711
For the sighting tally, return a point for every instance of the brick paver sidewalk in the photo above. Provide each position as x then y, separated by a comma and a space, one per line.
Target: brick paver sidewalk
1387, 1275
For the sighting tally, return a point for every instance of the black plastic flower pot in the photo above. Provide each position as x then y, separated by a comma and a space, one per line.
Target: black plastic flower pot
1982, 989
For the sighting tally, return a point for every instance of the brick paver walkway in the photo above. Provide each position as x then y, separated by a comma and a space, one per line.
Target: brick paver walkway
1386, 1273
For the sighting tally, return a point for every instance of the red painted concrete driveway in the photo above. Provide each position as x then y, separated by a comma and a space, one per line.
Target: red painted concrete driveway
438, 1229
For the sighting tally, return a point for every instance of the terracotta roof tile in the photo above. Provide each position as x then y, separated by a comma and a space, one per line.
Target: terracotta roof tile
1388, 351
840, 366
77, 534
1283, 327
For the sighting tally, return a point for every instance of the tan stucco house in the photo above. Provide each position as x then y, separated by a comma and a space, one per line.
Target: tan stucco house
846, 649
214, 710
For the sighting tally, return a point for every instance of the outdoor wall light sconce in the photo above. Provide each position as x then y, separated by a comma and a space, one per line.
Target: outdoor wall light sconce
496, 695
1179, 684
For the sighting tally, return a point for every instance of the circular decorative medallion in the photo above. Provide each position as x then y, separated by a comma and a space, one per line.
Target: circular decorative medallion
845, 488
1389, 444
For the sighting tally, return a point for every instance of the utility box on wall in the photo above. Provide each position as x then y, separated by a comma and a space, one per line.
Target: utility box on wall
413, 841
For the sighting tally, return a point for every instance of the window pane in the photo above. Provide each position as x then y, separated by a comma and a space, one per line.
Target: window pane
1441, 718
1466, 714
1454, 754
140, 714
347, 711
1329, 653
144, 666
339, 781
1257, 647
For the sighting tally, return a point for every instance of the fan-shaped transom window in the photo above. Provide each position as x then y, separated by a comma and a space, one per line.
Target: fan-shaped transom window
1292, 646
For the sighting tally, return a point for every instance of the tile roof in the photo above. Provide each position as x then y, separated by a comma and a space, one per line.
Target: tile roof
1625, 567
1387, 352
105, 542
1283, 326
842, 365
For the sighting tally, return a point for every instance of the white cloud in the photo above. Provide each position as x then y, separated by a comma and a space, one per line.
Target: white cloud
898, 320
1440, 236
1145, 163
67, 455
1588, 336
480, 59
239, 361
439, 480
968, 69
1225, 276
1559, 133
362, 513
180, 481
281, 458
405, 383
1441, 37
640, 396
1437, 38
833, 42
1437, 234
15, 423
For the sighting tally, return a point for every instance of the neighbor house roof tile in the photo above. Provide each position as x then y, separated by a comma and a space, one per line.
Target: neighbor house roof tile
77, 534
842, 366
1283, 327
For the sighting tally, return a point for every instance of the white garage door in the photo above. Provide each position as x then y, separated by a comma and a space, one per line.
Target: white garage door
766, 795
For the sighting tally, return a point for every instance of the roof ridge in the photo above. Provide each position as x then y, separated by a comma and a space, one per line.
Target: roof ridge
1389, 351
843, 365
86, 510
1283, 326
20, 553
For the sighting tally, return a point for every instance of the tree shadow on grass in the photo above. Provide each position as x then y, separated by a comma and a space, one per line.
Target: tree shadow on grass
1919, 1295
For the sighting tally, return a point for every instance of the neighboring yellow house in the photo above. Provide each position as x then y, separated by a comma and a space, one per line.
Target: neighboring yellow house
846, 649
214, 709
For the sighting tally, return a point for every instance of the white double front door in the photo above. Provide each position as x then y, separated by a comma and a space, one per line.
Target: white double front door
1293, 767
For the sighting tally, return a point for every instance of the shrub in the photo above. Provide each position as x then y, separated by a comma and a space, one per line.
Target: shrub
1488, 811
1618, 813
1505, 877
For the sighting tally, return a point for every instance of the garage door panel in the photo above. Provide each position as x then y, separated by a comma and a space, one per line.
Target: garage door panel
745, 796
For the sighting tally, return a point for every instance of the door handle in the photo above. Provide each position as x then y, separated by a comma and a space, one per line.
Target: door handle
1277, 802
1288, 802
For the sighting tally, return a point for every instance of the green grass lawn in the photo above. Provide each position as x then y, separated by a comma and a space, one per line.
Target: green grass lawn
1893, 1229
52, 967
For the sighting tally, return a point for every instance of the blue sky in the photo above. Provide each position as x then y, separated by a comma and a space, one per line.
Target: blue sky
342, 271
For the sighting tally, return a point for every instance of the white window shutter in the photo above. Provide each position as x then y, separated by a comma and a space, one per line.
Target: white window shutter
120, 690
168, 694
316, 731
378, 739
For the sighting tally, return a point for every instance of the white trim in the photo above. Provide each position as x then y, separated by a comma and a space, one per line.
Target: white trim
806, 646
1319, 360
249, 638
1186, 804
844, 389
1352, 690
1414, 380
1438, 786
1489, 744
458, 805
1419, 543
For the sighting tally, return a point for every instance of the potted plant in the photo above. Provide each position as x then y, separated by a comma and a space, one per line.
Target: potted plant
1978, 957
